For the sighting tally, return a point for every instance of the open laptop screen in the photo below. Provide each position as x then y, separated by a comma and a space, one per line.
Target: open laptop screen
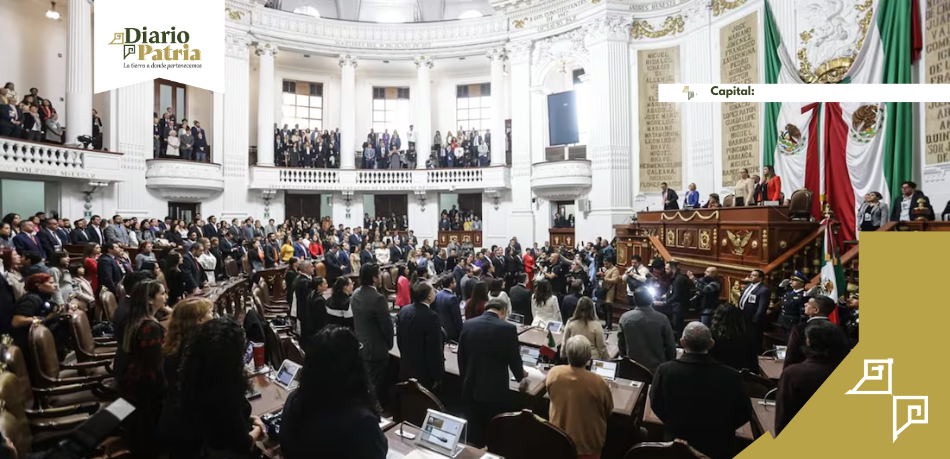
605, 369
441, 432
530, 356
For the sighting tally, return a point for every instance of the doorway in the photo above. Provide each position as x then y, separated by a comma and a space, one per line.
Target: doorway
183, 210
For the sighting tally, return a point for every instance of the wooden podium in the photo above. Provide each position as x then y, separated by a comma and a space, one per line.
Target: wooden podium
735, 240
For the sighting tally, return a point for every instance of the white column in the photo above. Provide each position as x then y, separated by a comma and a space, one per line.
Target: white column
521, 220
610, 152
348, 145
79, 71
233, 144
216, 137
423, 112
498, 59
265, 105
134, 139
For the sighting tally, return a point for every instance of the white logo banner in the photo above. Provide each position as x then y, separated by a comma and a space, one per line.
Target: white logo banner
806, 93
176, 40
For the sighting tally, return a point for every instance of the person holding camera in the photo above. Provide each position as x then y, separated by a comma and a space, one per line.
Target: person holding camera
636, 276
707, 293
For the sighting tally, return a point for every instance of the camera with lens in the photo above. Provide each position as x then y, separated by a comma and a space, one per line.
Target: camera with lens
272, 423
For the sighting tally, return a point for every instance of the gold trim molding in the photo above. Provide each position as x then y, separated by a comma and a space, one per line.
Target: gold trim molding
679, 216
671, 26
235, 15
834, 70
718, 6
696, 261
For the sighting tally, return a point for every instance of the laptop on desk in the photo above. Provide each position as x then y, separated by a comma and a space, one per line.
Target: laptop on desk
516, 318
606, 369
530, 357
287, 375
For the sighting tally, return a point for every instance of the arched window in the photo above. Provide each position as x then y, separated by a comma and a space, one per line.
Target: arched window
307, 10
471, 14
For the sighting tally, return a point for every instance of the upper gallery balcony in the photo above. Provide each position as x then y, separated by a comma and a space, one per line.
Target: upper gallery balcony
282, 178
22, 157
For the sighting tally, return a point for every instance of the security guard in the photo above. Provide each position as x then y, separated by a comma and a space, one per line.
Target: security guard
793, 303
850, 319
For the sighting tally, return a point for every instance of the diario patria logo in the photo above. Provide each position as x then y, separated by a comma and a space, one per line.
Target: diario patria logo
149, 45
689, 94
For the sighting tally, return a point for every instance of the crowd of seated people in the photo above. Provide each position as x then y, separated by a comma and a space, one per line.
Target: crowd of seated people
34, 118
173, 139
306, 148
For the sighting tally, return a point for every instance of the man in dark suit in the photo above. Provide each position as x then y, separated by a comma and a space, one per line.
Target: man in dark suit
419, 335
11, 120
754, 302
49, 238
521, 298
26, 242
904, 205
192, 272
271, 256
675, 301
498, 261
557, 275
63, 230
332, 263
373, 325
110, 274
669, 198
78, 234
446, 305
210, 230
367, 256
94, 231
395, 253
798, 383
488, 351
356, 238
817, 310
680, 397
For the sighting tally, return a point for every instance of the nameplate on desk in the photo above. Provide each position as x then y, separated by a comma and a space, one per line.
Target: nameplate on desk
636, 383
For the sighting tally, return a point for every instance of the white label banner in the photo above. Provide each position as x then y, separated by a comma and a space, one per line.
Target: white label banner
704, 93
177, 40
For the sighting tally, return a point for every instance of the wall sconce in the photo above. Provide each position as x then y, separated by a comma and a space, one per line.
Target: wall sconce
87, 197
268, 195
347, 201
495, 196
423, 199
52, 13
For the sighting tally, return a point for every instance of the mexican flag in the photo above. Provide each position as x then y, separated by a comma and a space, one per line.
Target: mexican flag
797, 159
832, 282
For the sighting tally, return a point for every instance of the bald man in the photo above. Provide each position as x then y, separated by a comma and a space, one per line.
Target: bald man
700, 400
708, 289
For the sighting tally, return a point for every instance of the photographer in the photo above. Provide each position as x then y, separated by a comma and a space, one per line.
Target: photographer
636, 276
707, 293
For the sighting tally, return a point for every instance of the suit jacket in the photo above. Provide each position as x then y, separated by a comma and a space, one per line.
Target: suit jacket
25, 244
671, 200
49, 241
367, 256
896, 208
78, 236
254, 258
333, 266
248, 233
355, 240
797, 385
192, 273
755, 304
488, 349
395, 254
116, 233
680, 397
446, 305
499, 264
109, 274
209, 231
372, 323
95, 235
521, 302
419, 335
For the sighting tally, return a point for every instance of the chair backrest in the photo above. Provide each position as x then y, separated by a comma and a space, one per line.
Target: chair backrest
231, 267
120, 293
388, 285
634, 371
82, 333
246, 265
265, 292
14, 424
677, 449
756, 386
526, 436
413, 402
730, 201
293, 352
272, 345
320, 269
109, 304
800, 204
44, 360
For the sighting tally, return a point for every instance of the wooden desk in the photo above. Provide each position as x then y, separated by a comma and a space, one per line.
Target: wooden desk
271, 450
402, 446
460, 237
561, 236
771, 367
625, 394
537, 337
272, 396
766, 415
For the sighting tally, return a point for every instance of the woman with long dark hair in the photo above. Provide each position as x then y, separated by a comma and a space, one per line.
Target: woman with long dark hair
316, 317
544, 306
475, 305
185, 319
734, 346
139, 366
14, 221
213, 417
334, 410
585, 323
174, 278
338, 308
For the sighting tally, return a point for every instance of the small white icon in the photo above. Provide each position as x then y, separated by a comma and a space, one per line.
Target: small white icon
912, 411
877, 367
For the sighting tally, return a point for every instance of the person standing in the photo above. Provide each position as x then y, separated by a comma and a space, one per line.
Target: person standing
644, 334
873, 213
669, 197
771, 187
584, 323
419, 336
581, 402
187, 142
372, 324
674, 302
910, 198
745, 189
446, 305
754, 303
708, 289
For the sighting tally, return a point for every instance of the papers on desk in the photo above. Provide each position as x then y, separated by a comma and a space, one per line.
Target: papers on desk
251, 371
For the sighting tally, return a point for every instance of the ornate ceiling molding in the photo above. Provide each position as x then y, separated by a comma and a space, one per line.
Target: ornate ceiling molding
236, 45
615, 27
671, 26
720, 6
519, 51
568, 45
830, 36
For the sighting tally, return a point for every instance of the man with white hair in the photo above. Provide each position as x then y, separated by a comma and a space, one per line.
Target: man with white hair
580, 400
700, 400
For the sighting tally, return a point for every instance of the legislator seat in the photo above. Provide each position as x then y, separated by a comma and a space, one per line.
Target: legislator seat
58, 384
524, 435
413, 402
231, 268
677, 449
109, 304
756, 386
800, 205
634, 371
729, 201
89, 348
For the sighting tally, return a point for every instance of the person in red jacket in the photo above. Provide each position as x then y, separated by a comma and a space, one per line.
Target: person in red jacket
316, 248
771, 187
529, 266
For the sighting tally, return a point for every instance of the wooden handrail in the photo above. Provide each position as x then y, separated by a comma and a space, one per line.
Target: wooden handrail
794, 250
655, 241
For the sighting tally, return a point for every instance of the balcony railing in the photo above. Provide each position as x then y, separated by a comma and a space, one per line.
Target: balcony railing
281, 178
22, 157
567, 179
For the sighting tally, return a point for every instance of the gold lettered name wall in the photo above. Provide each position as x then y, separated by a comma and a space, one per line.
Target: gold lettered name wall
937, 114
661, 127
739, 65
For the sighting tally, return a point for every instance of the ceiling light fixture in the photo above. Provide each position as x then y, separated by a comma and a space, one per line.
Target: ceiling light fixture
52, 13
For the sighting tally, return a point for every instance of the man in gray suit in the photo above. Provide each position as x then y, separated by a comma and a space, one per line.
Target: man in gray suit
373, 325
116, 232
